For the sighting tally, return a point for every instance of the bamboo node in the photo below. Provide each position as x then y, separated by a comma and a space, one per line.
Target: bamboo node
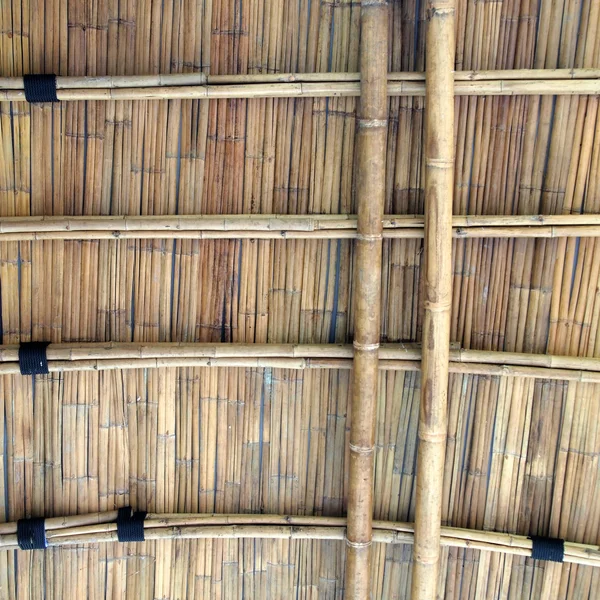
372, 123
364, 450
365, 347
440, 162
428, 436
369, 237
437, 306
358, 544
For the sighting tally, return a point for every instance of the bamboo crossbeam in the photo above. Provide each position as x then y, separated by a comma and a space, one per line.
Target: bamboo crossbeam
439, 185
90, 356
101, 528
287, 227
293, 85
182, 79
371, 141
508, 87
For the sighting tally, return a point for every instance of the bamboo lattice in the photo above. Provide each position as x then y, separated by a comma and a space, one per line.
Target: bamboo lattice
267, 130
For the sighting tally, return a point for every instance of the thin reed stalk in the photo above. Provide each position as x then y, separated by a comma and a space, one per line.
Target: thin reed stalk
371, 139
439, 186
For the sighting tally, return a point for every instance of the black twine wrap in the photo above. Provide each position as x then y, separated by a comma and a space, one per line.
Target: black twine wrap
130, 526
40, 88
31, 534
32, 358
544, 548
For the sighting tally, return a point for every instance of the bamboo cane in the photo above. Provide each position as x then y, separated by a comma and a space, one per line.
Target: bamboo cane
176, 79
508, 87
83, 351
198, 85
287, 227
398, 357
102, 528
439, 167
407, 233
371, 141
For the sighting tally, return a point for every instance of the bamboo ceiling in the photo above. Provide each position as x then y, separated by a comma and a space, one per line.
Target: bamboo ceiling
274, 437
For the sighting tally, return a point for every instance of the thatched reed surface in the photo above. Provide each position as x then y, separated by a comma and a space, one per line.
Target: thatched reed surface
522, 457
522, 454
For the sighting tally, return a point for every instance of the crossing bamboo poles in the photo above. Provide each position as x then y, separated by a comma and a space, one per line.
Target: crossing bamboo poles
439, 171
99, 356
370, 192
245, 226
95, 528
307, 85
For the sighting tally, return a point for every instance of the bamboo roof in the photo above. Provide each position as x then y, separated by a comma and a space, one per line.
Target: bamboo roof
196, 228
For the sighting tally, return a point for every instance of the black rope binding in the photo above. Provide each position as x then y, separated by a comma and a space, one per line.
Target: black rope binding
548, 549
31, 534
40, 88
130, 525
32, 358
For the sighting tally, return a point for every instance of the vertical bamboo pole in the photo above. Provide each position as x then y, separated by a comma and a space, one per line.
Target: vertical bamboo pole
439, 170
371, 140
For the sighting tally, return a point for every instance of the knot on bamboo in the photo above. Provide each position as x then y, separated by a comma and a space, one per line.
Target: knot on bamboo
363, 450
358, 544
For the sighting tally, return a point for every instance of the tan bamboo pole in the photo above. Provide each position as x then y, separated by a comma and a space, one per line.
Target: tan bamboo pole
191, 79
287, 227
371, 140
101, 527
503, 87
401, 357
175, 79
407, 233
439, 171
83, 351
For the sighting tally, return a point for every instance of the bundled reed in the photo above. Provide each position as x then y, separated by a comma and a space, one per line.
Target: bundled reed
258, 117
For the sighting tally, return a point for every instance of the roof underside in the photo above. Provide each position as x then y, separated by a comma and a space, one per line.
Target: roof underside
522, 454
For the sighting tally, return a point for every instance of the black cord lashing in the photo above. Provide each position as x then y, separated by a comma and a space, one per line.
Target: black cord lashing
33, 359
31, 534
130, 525
40, 88
544, 548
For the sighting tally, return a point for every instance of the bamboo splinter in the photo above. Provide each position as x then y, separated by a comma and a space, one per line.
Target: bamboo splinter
439, 168
370, 189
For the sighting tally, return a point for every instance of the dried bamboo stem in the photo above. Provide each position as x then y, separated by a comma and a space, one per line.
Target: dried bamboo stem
501, 87
371, 139
499, 77
83, 351
174, 79
402, 357
102, 528
439, 170
287, 227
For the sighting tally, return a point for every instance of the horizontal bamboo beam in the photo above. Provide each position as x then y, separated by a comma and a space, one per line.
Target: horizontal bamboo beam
90, 356
183, 79
509, 87
101, 528
287, 227
291, 85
